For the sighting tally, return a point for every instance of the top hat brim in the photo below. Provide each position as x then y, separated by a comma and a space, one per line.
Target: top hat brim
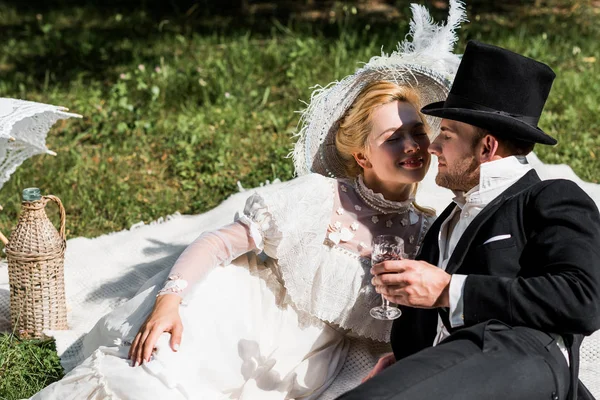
502, 125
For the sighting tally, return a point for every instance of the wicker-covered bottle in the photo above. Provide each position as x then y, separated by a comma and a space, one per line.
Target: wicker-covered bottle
35, 253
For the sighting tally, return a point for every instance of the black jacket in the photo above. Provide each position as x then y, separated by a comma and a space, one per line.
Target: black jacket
546, 276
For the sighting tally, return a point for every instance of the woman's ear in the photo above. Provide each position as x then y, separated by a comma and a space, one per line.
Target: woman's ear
489, 149
362, 160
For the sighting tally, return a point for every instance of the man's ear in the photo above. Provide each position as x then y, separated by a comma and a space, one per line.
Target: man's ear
362, 160
488, 149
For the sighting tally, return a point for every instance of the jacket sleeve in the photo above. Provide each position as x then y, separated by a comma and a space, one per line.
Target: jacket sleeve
558, 287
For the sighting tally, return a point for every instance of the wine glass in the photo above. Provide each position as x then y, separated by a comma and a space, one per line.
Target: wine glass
386, 247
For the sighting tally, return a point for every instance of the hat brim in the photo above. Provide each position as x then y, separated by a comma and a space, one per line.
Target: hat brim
502, 125
316, 150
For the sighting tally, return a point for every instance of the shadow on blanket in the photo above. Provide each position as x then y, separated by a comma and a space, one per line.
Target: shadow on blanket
138, 274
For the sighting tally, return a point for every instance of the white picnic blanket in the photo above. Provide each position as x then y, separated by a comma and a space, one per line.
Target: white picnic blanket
103, 272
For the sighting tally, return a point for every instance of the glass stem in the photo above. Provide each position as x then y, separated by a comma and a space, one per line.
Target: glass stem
384, 303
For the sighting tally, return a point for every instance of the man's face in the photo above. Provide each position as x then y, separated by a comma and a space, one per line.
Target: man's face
456, 150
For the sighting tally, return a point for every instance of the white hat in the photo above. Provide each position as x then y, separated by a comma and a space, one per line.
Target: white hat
427, 64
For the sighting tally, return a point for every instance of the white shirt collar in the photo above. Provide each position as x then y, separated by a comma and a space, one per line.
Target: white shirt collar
494, 178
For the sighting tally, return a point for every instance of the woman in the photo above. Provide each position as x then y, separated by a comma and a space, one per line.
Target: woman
275, 321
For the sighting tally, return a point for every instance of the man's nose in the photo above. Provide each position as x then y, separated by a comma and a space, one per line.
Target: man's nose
435, 148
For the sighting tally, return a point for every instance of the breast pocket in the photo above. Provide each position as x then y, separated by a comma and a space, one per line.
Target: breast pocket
499, 257
498, 242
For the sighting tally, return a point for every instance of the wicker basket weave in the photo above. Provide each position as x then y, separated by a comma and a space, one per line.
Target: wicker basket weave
35, 253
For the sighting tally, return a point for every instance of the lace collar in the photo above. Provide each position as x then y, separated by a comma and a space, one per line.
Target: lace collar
377, 202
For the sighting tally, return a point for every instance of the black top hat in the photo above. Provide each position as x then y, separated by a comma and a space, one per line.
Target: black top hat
500, 91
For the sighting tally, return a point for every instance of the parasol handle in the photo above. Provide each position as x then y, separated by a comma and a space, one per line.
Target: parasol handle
3, 238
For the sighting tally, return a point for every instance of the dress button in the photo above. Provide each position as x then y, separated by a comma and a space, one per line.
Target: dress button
554, 396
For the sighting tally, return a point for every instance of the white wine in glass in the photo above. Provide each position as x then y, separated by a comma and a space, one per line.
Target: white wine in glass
386, 247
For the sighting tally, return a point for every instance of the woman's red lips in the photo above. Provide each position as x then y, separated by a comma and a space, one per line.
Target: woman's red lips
415, 162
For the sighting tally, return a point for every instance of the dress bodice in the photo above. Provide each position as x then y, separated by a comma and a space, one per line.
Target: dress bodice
359, 214
319, 232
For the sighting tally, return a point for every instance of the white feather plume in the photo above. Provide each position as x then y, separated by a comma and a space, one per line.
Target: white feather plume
432, 43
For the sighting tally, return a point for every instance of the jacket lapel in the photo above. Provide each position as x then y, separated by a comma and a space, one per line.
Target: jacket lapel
430, 250
464, 243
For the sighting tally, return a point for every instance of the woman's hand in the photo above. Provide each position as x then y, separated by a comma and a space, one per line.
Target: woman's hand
382, 364
163, 318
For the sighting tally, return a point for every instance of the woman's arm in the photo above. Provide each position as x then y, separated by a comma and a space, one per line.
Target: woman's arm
193, 265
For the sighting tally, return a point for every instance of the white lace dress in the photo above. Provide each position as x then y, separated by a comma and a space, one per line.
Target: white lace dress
271, 303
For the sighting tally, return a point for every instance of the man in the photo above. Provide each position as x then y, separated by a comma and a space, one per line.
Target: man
507, 281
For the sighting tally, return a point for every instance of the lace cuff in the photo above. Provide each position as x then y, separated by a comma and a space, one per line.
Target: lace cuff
174, 285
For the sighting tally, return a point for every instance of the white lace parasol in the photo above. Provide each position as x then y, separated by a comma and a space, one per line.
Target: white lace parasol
24, 126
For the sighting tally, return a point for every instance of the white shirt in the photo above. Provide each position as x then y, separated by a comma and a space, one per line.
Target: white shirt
495, 178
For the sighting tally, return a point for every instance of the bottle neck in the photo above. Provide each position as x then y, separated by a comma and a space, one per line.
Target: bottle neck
32, 194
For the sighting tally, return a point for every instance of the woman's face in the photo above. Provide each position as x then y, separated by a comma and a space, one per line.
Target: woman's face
397, 145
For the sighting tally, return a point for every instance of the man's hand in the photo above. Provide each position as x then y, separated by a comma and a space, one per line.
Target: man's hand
382, 364
412, 283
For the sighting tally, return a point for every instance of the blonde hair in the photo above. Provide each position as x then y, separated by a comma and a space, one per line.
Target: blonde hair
356, 124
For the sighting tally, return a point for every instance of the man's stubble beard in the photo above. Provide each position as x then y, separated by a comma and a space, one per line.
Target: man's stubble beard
462, 176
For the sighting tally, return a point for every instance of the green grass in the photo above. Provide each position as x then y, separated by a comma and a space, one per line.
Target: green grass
26, 366
179, 106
